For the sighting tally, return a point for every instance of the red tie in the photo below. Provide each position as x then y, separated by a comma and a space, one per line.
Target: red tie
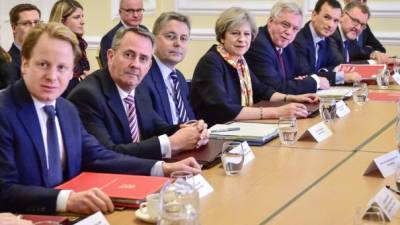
281, 63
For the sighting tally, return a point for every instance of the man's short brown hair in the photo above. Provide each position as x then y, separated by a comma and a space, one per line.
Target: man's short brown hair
53, 30
14, 12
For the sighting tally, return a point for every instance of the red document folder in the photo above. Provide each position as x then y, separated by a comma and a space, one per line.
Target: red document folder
366, 71
38, 218
391, 97
124, 190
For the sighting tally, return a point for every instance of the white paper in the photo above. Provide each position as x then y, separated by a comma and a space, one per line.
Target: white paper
320, 131
94, 219
387, 202
248, 153
396, 78
202, 186
342, 109
388, 162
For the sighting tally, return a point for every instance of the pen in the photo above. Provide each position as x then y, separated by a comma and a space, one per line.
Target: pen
388, 187
225, 129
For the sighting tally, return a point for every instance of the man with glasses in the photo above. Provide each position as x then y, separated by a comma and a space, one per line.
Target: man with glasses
344, 40
314, 54
166, 85
22, 18
272, 56
131, 14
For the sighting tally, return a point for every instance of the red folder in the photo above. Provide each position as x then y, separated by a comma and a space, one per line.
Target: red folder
38, 218
366, 71
124, 190
391, 97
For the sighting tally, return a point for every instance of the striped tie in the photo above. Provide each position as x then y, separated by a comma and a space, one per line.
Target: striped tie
133, 124
180, 107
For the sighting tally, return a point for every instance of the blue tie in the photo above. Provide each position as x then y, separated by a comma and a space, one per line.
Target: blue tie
346, 50
53, 148
180, 106
321, 46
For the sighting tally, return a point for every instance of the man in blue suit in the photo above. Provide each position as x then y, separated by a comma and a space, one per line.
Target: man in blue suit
42, 140
101, 101
22, 18
166, 85
131, 13
272, 56
344, 40
314, 53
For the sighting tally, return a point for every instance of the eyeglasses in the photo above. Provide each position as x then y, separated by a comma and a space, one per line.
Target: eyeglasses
133, 11
29, 23
174, 37
356, 22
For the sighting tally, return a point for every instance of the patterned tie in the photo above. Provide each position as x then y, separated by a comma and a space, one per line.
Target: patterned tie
281, 63
55, 175
180, 106
346, 50
133, 124
320, 59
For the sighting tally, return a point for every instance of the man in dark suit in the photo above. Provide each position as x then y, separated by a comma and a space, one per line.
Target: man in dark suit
42, 140
367, 39
101, 101
344, 41
131, 13
314, 54
272, 57
166, 85
22, 18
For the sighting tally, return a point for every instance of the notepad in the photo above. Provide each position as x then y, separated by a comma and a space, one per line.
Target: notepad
336, 92
253, 133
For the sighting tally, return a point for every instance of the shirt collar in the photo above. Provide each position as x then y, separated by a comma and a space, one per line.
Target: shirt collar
123, 94
165, 70
39, 104
314, 35
125, 25
18, 46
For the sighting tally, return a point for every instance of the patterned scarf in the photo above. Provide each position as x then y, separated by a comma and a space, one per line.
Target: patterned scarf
243, 72
83, 63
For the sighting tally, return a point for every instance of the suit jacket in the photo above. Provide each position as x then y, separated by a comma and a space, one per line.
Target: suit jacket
356, 54
16, 62
264, 62
22, 155
103, 115
305, 51
106, 42
368, 42
7, 71
154, 84
216, 93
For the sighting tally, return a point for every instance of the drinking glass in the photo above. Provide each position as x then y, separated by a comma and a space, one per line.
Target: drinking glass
327, 109
383, 79
287, 127
174, 213
373, 216
185, 175
396, 65
360, 93
232, 157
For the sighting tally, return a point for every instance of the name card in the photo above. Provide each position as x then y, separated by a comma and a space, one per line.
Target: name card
385, 164
396, 78
318, 132
94, 219
342, 109
202, 186
248, 153
386, 201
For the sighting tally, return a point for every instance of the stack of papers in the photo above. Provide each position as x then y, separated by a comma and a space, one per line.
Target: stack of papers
336, 92
253, 133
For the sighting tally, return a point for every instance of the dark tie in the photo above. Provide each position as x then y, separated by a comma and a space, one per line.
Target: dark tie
53, 148
346, 50
320, 59
132, 118
180, 106
360, 40
281, 63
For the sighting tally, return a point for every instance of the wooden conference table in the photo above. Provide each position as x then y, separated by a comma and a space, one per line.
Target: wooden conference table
305, 183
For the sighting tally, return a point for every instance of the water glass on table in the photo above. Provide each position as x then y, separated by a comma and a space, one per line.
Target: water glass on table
327, 109
287, 128
232, 157
360, 93
383, 79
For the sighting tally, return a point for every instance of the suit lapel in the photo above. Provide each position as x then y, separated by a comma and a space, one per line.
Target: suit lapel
310, 43
161, 90
29, 118
114, 101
